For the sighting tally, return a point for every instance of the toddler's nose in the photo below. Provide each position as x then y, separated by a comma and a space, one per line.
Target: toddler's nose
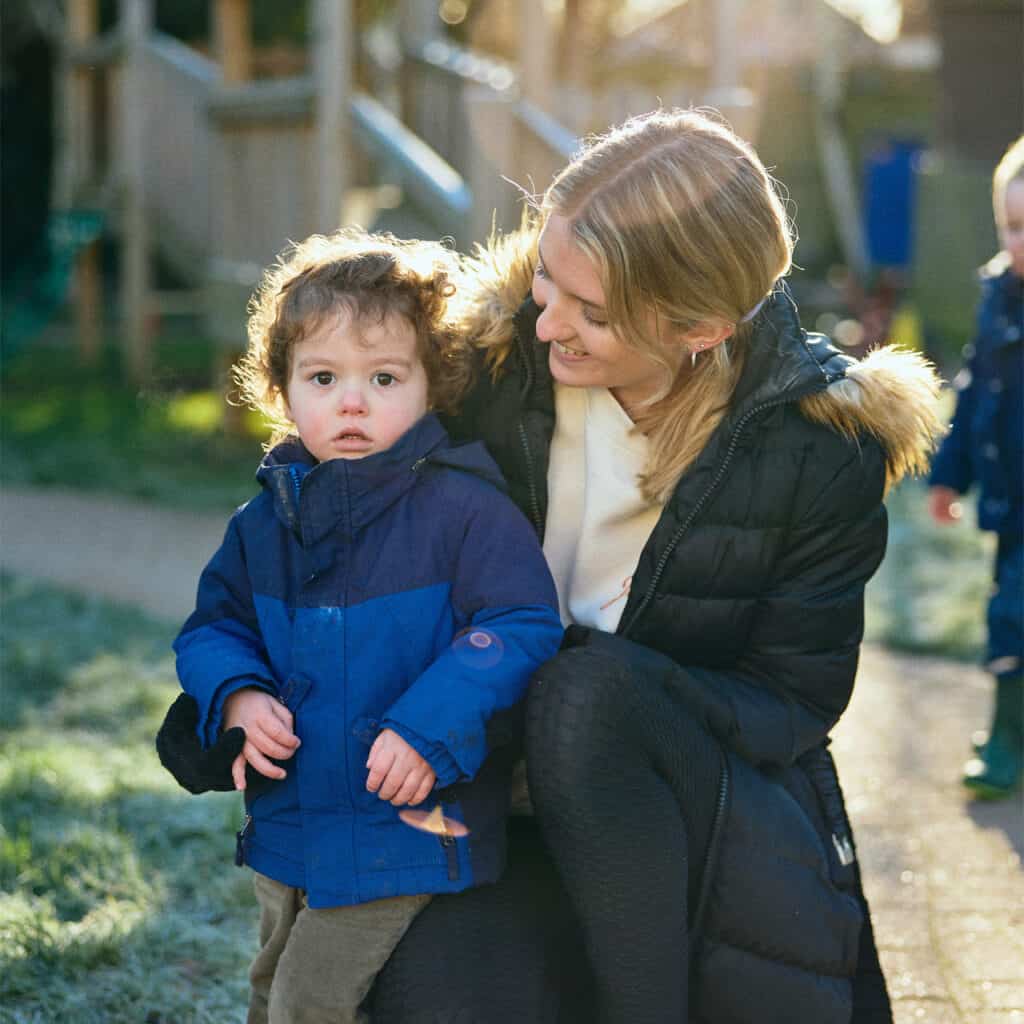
353, 401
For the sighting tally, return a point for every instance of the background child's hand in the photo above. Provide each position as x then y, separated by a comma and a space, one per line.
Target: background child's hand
397, 772
268, 733
944, 504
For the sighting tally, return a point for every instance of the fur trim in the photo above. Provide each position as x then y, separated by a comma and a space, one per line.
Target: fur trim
892, 394
499, 275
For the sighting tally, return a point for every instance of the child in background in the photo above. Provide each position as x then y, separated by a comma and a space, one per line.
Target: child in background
986, 446
366, 616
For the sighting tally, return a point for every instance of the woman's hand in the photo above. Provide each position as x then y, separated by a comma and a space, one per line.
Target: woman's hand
397, 772
268, 733
944, 505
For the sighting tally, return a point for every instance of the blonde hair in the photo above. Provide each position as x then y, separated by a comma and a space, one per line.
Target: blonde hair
679, 216
1009, 169
365, 275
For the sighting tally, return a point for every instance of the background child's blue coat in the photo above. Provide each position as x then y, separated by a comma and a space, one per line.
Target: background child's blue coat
344, 588
986, 443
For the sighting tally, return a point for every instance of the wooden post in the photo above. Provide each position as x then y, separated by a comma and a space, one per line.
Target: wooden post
493, 127
333, 68
76, 169
419, 23
232, 33
536, 39
136, 24
727, 92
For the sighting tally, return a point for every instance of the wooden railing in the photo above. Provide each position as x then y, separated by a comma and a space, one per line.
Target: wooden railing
226, 175
470, 110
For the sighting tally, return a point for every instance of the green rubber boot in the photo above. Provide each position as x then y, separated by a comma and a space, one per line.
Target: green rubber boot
996, 771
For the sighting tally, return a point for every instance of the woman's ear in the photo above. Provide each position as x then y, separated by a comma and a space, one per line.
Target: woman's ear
708, 334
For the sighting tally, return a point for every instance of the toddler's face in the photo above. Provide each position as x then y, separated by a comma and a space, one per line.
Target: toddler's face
1011, 225
356, 385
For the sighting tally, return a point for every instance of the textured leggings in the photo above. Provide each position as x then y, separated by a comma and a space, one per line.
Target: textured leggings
624, 783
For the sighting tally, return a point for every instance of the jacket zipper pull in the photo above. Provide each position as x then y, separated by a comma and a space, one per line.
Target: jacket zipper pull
451, 855
240, 836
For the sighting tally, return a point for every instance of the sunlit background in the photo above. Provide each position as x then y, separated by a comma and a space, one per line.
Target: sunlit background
157, 153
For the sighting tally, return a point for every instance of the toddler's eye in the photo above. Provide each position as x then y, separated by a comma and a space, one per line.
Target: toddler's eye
385, 380
539, 270
323, 378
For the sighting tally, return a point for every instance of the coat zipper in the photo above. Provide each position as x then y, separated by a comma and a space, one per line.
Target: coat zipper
451, 856
702, 501
535, 516
240, 839
711, 860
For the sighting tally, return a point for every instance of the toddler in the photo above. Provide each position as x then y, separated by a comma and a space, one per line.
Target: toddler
366, 617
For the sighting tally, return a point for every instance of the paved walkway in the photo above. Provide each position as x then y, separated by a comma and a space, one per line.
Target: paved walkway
943, 874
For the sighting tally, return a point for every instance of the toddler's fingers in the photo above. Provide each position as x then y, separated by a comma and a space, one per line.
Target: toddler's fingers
380, 763
393, 782
261, 764
279, 725
269, 745
238, 771
407, 790
426, 786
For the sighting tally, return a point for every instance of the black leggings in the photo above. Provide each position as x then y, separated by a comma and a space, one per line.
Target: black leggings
624, 783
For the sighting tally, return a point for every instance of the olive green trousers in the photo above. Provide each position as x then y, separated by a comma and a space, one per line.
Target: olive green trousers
317, 966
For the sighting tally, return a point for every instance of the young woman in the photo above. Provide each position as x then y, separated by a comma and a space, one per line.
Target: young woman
707, 480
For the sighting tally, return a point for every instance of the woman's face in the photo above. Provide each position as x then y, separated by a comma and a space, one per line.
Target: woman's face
584, 350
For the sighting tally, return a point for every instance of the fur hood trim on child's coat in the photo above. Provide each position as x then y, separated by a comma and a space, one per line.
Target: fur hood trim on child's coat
891, 394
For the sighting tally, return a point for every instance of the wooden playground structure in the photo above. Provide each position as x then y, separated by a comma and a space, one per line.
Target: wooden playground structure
188, 157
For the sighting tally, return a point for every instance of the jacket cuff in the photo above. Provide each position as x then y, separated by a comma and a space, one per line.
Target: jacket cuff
444, 765
210, 724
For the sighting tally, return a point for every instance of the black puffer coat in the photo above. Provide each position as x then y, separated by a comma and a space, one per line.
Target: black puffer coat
748, 597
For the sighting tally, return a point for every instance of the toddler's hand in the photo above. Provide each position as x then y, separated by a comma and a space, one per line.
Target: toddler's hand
397, 772
944, 504
268, 733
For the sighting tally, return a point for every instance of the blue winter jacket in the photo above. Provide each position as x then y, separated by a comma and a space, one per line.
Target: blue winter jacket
986, 443
400, 591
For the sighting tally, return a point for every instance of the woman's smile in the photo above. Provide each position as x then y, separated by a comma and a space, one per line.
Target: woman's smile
566, 352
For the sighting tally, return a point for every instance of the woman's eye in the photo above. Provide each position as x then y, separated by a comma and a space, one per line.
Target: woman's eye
593, 321
324, 378
385, 380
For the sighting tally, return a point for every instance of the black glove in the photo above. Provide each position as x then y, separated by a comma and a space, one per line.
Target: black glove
182, 754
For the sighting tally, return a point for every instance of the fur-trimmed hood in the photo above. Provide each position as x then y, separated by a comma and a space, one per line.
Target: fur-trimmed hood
891, 394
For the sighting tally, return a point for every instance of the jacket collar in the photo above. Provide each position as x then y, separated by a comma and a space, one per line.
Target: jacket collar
783, 362
314, 498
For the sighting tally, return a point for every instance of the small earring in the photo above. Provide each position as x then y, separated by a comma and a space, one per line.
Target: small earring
693, 354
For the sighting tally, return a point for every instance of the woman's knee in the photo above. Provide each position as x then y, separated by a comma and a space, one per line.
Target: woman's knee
578, 710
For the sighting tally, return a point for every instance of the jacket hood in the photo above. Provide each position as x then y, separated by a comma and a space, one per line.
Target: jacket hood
315, 498
891, 394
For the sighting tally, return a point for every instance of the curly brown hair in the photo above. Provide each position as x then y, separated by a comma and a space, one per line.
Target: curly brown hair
366, 275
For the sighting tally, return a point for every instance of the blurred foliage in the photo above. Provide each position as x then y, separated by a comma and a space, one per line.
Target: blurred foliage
74, 426
118, 899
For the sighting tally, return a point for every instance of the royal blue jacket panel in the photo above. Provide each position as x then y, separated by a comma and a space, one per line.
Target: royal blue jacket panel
403, 590
986, 443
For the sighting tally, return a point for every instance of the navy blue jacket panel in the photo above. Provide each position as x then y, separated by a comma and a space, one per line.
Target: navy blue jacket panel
401, 591
986, 443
